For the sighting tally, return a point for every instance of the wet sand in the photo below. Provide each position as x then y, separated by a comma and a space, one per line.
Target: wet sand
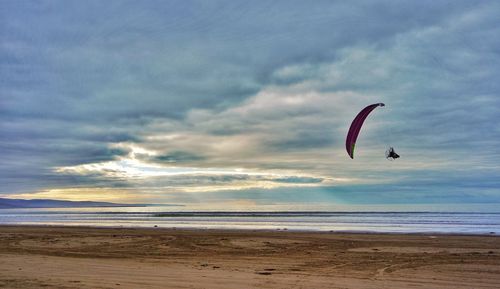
77, 257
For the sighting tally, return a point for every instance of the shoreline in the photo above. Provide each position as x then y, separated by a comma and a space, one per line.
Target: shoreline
283, 230
101, 257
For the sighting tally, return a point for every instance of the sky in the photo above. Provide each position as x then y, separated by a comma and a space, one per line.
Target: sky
228, 104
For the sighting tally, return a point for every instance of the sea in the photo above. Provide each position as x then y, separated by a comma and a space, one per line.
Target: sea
480, 223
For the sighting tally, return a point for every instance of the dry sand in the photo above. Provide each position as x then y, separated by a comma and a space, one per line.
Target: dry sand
76, 257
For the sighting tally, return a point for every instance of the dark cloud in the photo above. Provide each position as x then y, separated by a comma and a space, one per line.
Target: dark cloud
298, 180
207, 180
177, 157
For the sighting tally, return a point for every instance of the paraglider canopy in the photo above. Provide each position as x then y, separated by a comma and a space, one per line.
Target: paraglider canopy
356, 125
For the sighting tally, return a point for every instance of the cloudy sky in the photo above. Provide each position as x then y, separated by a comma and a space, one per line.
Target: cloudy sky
247, 103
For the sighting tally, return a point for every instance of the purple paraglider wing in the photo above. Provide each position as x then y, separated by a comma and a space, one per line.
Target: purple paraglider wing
356, 124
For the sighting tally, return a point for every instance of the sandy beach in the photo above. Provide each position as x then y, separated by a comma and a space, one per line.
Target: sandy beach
77, 257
